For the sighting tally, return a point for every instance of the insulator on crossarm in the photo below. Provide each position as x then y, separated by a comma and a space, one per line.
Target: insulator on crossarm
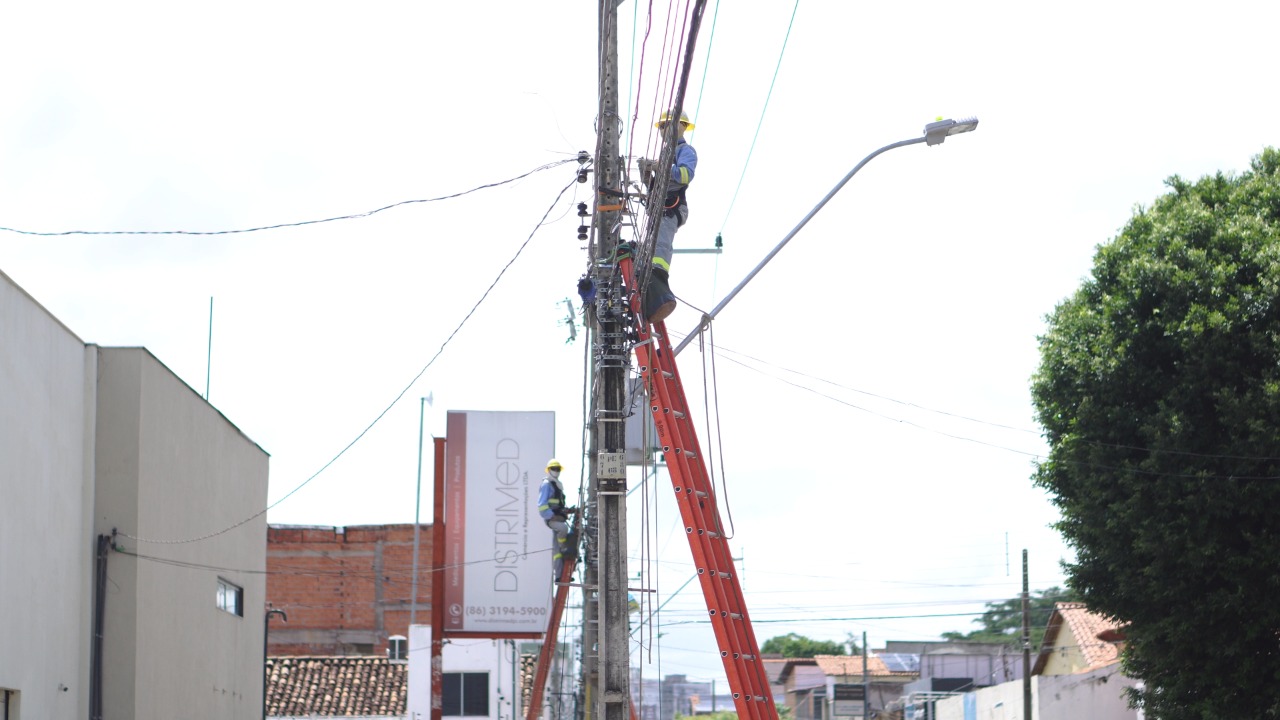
582, 209
582, 232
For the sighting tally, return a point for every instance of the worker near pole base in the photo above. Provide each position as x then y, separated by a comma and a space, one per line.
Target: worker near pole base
551, 506
659, 301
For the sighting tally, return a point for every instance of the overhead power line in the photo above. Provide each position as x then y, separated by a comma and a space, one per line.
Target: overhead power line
763, 110
397, 398
300, 223
1036, 456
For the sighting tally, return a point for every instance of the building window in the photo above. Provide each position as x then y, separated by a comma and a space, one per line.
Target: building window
230, 597
465, 694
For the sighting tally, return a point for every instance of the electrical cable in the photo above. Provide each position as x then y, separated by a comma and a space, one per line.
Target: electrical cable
706, 65
980, 421
301, 223
835, 619
1037, 456
868, 393
393, 403
350, 573
666, 157
763, 110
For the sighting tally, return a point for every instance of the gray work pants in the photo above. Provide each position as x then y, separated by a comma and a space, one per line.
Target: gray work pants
559, 544
667, 236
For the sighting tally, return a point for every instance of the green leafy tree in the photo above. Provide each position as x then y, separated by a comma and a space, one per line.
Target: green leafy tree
1159, 393
1002, 621
798, 646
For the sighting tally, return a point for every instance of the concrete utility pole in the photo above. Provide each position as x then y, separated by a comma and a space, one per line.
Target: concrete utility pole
606, 649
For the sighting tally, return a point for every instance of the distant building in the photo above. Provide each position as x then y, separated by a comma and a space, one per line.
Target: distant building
346, 589
1077, 640
884, 683
804, 686
99, 447
336, 688
1077, 674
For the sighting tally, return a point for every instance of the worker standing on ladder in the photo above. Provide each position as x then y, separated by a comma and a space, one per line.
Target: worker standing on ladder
659, 301
551, 506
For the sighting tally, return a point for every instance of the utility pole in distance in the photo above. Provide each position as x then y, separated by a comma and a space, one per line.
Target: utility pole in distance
606, 649
1026, 640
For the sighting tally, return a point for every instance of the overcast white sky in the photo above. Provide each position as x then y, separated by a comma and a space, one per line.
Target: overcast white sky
896, 485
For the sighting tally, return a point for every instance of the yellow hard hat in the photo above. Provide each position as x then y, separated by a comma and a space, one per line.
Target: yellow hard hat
554, 464
666, 117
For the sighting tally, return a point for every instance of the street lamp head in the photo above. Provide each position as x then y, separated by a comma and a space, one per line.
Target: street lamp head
936, 132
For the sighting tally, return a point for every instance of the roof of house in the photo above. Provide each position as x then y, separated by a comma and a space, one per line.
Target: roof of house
360, 686
1095, 635
846, 665
789, 666
773, 667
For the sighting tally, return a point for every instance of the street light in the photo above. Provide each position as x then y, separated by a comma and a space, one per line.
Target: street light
934, 134
266, 628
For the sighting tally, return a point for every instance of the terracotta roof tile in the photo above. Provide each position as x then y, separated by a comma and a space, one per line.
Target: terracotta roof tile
852, 665
1085, 627
368, 686
1094, 636
528, 671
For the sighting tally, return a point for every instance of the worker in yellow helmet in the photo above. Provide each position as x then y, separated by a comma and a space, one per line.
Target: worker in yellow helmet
659, 301
551, 507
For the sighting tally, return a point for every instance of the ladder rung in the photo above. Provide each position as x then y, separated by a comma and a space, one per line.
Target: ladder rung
668, 374
700, 493
679, 415
735, 616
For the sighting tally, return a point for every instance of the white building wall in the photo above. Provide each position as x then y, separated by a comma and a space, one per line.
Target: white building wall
1097, 695
45, 480
480, 655
998, 702
171, 467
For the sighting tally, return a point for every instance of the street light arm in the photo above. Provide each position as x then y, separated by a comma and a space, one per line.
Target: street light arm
934, 134
707, 318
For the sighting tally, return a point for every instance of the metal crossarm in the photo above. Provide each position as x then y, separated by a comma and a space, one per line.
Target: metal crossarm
695, 497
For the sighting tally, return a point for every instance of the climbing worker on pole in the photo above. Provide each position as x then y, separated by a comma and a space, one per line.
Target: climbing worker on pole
659, 301
551, 506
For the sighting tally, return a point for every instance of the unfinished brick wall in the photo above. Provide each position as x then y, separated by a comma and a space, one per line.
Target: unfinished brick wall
346, 590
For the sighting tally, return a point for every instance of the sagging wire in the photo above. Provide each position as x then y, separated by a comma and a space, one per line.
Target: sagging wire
706, 65
760, 123
710, 399
354, 216
394, 401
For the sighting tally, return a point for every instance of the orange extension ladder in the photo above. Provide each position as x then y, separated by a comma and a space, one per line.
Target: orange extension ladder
717, 574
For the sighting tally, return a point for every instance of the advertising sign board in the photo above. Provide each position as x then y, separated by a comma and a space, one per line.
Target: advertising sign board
848, 700
497, 571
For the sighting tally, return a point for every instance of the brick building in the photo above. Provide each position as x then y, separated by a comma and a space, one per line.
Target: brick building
345, 590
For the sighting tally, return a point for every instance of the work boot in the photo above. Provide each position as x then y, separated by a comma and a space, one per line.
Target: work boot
659, 301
